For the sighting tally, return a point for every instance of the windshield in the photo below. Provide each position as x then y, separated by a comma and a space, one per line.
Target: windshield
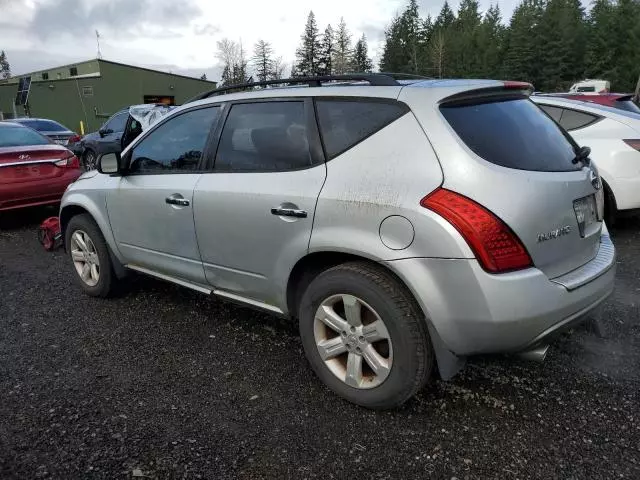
513, 133
20, 137
44, 125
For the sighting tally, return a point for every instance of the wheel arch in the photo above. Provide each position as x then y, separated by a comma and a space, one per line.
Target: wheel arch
311, 265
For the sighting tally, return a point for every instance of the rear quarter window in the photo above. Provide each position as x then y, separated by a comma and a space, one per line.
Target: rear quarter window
345, 123
513, 133
572, 119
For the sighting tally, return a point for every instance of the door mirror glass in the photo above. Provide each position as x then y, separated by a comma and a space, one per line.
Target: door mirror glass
109, 163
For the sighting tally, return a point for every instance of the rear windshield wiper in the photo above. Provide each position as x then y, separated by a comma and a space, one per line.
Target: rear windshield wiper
582, 155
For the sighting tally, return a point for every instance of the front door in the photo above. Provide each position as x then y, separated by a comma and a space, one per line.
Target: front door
151, 211
254, 212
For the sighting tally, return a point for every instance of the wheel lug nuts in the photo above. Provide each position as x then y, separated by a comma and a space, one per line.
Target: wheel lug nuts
358, 349
361, 338
353, 329
343, 333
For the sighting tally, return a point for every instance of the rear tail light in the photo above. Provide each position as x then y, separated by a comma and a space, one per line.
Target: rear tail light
496, 247
69, 162
635, 144
75, 139
511, 85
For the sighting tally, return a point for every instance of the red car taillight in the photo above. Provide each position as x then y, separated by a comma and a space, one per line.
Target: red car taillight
496, 247
635, 144
75, 139
69, 162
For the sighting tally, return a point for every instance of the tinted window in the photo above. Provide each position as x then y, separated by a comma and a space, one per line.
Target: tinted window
343, 124
20, 136
554, 112
627, 105
512, 133
177, 144
117, 122
586, 89
44, 125
260, 137
572, 119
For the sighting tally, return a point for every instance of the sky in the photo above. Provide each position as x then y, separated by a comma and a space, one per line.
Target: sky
180, 35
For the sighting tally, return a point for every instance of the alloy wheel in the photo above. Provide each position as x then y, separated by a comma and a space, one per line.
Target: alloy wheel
353, 341
85, 258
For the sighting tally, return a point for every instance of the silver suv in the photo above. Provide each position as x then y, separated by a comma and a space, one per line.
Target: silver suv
405, 224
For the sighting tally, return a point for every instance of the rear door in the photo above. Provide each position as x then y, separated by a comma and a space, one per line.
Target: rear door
254, 212
520, 165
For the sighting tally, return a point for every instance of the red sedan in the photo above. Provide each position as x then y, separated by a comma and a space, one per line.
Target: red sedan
33, 169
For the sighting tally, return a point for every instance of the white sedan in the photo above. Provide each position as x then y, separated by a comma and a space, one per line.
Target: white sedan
614, 138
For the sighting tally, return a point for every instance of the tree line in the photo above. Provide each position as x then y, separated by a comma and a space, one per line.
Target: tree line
550, 43
327, 53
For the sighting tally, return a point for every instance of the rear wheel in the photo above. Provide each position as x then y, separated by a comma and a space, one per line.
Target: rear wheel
90, 256
610, 207
365, 336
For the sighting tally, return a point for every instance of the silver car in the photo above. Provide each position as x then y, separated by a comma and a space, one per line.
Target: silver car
406, 225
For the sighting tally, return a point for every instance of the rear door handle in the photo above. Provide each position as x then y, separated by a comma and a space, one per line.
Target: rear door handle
177, 200
289, 212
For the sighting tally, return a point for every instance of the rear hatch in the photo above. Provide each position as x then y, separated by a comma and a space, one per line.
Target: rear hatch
514, 160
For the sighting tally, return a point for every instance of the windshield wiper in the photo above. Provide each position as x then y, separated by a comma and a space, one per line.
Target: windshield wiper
582, 155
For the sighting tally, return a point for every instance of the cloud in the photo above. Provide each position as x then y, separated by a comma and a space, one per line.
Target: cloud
121, 16
206, 29
374, 33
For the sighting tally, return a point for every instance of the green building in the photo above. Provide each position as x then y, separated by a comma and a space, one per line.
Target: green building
89, 92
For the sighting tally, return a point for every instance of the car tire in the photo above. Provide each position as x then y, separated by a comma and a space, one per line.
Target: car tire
101, 280
409, 356
89, 159
610, 207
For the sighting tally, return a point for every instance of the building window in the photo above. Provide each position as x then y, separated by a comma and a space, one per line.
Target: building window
45, 76
87, 91
163, 99
73, 71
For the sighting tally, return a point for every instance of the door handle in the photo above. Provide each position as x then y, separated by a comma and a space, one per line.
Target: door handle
289, 212
182, 202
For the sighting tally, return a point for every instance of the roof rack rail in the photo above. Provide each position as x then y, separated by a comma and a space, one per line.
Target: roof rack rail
406, 76
374, 79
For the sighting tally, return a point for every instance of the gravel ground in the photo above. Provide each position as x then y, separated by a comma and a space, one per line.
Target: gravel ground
163, 382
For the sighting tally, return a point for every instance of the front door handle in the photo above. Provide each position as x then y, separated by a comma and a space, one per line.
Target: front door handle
177, 200
289, 212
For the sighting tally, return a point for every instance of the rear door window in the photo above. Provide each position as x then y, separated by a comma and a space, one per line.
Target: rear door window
345, 123
572, 119
553, 112
512, 133
264, 137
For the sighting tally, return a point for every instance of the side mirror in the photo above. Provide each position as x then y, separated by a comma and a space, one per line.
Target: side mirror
109, 163
104, 132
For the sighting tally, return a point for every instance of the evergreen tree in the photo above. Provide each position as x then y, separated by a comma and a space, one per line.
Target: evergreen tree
410, 28
5, 68
600, 60
343, 53
325, 65
361, 60
425, 34
464, 50
626, 35
263, 60
308, 54
491, 43
440, 45
394, 55
522, 59
562, 35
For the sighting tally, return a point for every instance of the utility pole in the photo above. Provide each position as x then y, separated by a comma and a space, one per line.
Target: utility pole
98, 42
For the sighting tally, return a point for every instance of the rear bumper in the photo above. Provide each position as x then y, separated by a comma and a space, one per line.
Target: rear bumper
475, 312
36, 192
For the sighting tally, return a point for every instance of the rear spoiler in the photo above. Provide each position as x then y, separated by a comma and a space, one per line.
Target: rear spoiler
508, 88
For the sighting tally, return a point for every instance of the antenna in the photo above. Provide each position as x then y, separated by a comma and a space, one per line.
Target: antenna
98, 42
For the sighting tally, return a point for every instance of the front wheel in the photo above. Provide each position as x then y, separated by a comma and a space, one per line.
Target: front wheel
364, 335
89, 160
90, 256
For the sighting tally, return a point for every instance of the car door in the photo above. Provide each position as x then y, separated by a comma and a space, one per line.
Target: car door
111, 133
151, 210
254, 212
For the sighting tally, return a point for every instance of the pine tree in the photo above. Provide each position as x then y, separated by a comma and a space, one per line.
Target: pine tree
410, 25
395, 55
491, 43
308, 54
5, 68
600, 60
343, 54
522, 58
464, 41
263, 60
361, 60
626, 35
325, 65
441, 41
